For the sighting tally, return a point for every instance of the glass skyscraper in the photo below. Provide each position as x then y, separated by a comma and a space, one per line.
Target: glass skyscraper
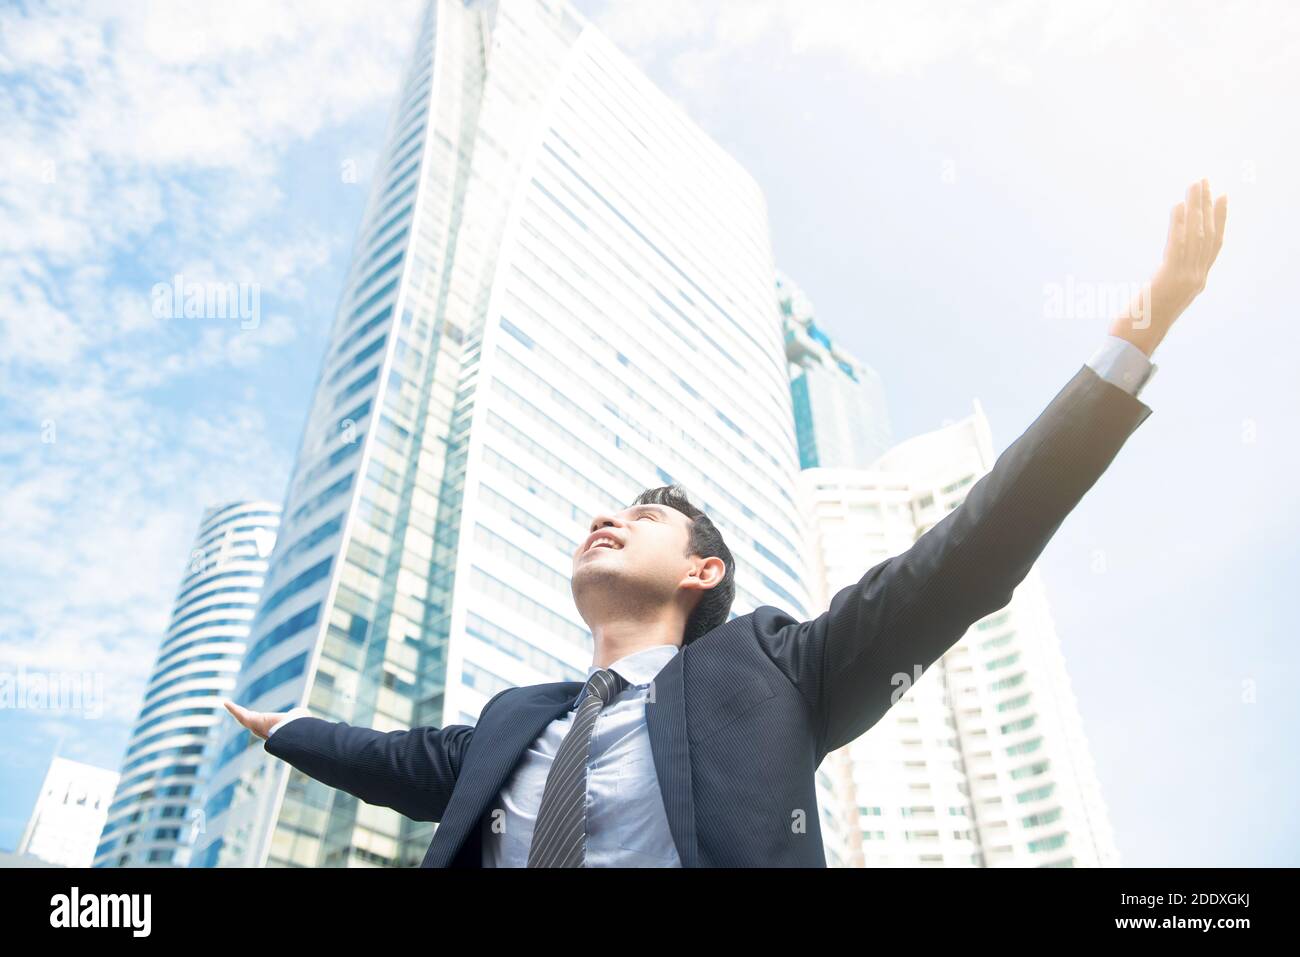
155, 815
839, 401
561, 294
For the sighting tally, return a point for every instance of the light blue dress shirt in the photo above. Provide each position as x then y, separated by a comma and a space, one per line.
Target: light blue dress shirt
626, 822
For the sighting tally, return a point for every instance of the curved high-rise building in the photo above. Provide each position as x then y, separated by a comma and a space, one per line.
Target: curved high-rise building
561, 294
155, 816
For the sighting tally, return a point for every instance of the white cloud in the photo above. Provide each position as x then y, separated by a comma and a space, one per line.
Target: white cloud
1010, 38
145, 140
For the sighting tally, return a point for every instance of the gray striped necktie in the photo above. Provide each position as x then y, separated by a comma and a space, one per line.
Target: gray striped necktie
560, 833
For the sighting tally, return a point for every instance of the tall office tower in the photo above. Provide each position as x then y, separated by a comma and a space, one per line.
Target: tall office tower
155, 816
561, 295
983, 760
69, 813
839, 401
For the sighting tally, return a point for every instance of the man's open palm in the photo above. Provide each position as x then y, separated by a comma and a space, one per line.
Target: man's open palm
258, 722
1195, 237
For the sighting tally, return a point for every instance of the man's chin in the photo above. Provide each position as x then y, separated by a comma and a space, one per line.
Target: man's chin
596, 577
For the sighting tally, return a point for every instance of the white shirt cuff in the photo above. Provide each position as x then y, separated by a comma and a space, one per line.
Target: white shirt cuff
295, 713
1121, 363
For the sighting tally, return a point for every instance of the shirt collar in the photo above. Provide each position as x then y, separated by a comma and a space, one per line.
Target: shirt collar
637, 669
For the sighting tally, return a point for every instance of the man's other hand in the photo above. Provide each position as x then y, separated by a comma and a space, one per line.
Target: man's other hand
1194, 240
258, 722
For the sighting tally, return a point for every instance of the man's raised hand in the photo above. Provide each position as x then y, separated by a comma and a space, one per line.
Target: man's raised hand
1195, 238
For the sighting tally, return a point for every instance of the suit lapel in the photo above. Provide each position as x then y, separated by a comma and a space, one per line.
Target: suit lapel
665, 713
514, 724
499, 741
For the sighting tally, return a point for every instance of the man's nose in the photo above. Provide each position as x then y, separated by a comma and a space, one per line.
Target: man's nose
602, 521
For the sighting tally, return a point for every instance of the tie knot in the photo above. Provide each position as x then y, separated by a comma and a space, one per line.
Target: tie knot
605, 684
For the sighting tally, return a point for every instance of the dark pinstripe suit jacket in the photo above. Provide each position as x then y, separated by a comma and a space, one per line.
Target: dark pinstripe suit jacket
744, 715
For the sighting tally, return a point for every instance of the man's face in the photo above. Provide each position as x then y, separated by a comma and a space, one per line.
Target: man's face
633, 558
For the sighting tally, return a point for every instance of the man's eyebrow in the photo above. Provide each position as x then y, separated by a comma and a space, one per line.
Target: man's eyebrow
657, 509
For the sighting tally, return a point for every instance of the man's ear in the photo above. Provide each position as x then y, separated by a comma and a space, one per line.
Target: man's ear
707, 574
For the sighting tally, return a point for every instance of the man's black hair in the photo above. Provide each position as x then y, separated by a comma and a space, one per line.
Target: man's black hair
706, 541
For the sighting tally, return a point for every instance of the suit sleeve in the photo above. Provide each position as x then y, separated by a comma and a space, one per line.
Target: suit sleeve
909, 609
413, 772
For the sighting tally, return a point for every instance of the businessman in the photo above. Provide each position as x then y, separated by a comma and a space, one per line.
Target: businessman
695, 740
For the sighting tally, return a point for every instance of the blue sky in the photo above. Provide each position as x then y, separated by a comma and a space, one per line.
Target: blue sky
931, 170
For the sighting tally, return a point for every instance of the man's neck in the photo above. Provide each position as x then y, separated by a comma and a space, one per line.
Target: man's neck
618, 639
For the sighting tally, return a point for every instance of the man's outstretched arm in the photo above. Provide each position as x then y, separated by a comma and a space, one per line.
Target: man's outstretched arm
412, 772
909, 609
